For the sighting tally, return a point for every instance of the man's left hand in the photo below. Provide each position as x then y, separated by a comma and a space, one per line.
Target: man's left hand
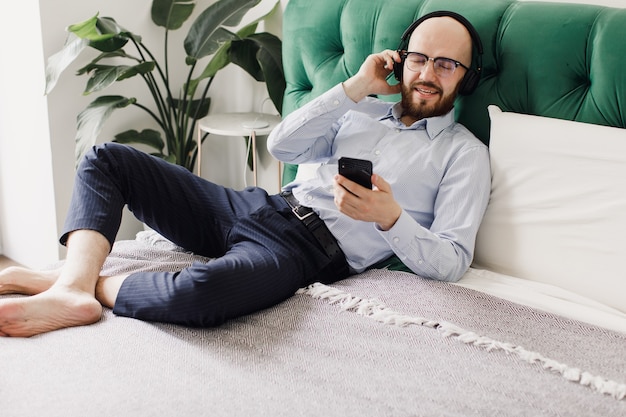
376, 205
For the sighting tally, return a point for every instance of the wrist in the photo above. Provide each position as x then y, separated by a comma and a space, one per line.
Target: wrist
354, 90
388, 224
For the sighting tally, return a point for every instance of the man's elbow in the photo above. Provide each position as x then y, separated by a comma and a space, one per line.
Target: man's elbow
454, 269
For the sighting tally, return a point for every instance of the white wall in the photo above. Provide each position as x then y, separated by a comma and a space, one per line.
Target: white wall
27, 201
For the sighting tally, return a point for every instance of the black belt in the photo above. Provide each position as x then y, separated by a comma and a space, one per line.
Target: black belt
338, 267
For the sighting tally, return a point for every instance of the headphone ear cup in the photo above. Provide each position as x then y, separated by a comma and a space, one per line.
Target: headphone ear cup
469, 82
398, 67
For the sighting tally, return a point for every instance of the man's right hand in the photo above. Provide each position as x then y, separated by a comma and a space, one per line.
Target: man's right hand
372, 76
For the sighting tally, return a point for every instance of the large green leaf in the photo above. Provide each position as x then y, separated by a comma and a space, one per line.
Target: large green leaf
108, 26
243, 53
274, 78
260, 55
103, 76
171, 14
120, 53
206, 34
148, 137
58, 62
91, 119
218, 61
251, 27
197, 108
104, 34
88, 30
221, 57
219, 39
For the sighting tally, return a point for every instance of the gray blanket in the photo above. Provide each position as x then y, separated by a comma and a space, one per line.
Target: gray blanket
378, 344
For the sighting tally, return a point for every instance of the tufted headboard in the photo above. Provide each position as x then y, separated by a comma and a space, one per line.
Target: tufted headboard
559, 60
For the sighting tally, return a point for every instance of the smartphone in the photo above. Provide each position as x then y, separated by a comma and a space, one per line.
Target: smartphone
357, 170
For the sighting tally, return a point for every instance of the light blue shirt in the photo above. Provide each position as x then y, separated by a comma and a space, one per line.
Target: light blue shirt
438, 170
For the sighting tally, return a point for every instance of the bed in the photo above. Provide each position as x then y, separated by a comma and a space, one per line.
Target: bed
537, 326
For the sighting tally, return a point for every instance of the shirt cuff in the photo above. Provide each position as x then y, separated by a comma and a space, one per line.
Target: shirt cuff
336, 99
402, 238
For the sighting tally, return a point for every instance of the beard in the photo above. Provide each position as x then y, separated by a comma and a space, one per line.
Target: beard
421, 109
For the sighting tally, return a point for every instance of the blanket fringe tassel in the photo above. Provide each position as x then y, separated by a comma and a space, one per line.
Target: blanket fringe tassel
376, 310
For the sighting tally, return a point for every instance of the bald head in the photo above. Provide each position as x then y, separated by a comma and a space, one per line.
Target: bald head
443, 36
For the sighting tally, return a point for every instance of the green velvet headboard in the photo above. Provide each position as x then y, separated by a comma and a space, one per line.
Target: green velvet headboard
558, 60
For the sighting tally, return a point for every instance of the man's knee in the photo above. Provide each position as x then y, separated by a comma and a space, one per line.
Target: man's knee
109, 148
109, 153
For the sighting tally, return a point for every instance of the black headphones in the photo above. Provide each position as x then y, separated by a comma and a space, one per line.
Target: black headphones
472, 76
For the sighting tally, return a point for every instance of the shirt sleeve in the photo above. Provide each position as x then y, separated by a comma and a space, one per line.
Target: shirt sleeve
307, 134
445, 250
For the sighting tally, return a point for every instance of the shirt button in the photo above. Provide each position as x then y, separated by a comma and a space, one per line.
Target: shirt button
336, 102
420, 262
309, 198
377, 152
396, 240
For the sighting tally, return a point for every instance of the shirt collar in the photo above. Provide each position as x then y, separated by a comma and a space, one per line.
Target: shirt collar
433, 125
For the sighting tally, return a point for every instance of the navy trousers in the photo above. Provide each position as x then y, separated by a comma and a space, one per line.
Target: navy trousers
261, 252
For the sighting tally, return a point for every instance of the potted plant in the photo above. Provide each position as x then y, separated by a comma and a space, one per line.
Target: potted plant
175, 109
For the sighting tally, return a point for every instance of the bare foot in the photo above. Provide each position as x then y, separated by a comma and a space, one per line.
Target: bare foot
18, 280
54, 309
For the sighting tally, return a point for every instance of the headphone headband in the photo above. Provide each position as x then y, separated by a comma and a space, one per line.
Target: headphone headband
472, 76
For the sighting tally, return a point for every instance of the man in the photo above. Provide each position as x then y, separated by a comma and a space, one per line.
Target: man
431, 186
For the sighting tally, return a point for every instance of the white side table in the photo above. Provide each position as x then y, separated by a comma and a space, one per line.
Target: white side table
238, 124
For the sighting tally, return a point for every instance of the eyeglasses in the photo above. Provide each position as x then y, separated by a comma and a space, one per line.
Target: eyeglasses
444, 67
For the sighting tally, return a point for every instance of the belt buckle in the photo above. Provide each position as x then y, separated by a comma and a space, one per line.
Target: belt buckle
298, 215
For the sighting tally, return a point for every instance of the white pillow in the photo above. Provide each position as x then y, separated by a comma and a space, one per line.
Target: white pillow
557, 212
